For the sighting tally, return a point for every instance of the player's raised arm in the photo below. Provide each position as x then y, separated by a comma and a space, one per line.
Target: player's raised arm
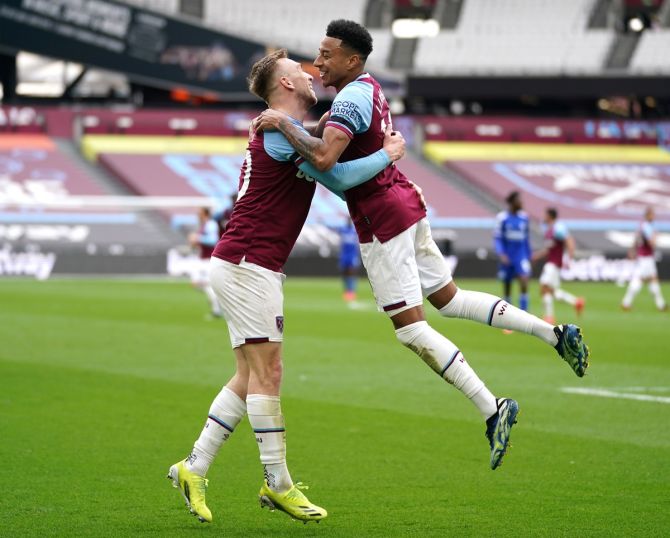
344, 176
323, 153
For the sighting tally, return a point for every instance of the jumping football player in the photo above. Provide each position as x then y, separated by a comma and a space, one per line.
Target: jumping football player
397, 249
275, 192
558, 243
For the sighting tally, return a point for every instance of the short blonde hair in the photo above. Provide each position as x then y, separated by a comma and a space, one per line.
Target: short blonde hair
260, 76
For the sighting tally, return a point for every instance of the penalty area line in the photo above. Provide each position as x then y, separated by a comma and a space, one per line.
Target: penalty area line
604, 393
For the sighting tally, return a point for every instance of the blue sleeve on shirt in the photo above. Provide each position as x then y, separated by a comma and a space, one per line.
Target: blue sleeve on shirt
352, 107
647, 231
560, 231
277, 147
210, 234
498, 234
344, 176
341, 177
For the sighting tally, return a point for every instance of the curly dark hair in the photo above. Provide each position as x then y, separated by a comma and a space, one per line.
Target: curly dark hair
512, 197
353, 36
260, 78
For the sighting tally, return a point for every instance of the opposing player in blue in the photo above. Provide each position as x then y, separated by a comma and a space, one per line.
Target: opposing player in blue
350, 259
512, 244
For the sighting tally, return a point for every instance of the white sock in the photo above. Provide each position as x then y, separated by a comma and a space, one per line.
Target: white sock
548, 302
562, 295
655, 290
493, 311
224, 415
448, 362
634, 287
213, 301
268, 425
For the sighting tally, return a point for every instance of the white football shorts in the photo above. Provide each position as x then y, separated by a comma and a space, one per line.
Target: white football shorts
645, 267
551, 276
200, 272
252, 300
405, 268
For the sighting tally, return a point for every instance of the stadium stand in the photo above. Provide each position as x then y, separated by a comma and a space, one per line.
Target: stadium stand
518, 36
257, 20
651, 55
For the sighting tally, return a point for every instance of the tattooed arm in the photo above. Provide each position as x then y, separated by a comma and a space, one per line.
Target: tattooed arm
322, 153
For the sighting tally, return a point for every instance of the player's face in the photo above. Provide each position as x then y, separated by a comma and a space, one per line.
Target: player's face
303, 84
332, 62
300, 81
649, 214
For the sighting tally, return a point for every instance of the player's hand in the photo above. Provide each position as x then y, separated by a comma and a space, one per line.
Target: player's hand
419, 191
268, 120
394, 144
504, 259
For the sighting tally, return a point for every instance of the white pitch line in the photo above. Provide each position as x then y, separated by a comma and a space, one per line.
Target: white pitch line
604, 393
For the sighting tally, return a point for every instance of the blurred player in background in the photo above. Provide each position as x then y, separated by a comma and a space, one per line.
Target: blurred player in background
223, 217
512, 245
403, 262
645, 267
558, 244
276, 188
204, 240
350, 261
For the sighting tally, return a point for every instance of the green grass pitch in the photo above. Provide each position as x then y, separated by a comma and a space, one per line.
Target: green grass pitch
105, 384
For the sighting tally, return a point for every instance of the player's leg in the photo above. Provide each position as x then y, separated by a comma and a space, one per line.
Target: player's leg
264, 408
447, 361
547, 294
549, 281
349, 281
396, 284
634, 287
523, 275
488, 309
453, 302
504, 274
655, 290
649, 273
267, 422
214, 306
252, 301
225, 413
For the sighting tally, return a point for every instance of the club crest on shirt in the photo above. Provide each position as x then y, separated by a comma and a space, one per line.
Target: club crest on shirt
280, 323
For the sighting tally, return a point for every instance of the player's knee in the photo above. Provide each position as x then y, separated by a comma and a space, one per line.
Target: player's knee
267, 374
412, 336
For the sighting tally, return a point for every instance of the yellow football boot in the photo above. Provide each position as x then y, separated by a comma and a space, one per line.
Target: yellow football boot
193, 488
293, 502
